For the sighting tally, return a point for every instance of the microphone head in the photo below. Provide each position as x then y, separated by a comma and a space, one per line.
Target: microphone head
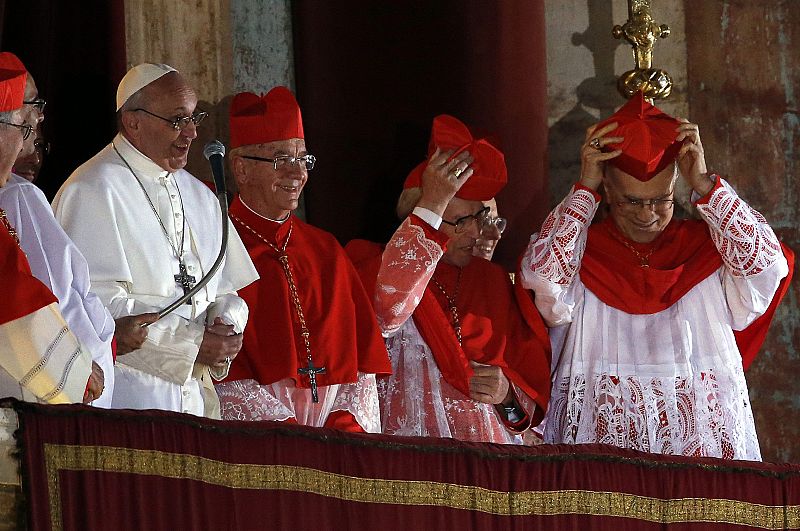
215, 147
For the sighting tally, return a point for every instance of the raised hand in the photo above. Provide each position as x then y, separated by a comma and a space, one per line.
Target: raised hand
692, 159
593, 158
443, 178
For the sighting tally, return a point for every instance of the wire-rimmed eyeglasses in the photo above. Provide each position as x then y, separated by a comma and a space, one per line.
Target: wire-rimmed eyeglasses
26, 128
497, 222
658, 205
279, 162
179, 123
39, 103
462, 223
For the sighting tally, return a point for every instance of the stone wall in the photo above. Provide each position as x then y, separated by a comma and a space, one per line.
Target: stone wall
743, 85
221, 46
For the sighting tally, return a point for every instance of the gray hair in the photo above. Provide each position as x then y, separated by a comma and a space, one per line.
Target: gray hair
407, 201
136, 101
7, 116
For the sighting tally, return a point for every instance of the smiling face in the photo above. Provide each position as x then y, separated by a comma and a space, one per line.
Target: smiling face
270, 192
640, 224
490, 235
169, 97
460, 246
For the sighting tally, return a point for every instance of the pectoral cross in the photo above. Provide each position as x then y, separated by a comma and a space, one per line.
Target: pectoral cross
312, 373
185, 280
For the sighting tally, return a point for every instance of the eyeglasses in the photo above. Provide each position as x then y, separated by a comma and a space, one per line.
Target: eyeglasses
461, 224
39, 103
498, 223
280, 162
179, 123
26, 129
658, 205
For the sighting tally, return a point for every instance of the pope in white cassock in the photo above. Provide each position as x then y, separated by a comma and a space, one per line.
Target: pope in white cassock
150, 231
52, 256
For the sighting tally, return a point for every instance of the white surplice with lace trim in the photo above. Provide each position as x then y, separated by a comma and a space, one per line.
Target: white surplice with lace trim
415, 399
282, 400
670, 382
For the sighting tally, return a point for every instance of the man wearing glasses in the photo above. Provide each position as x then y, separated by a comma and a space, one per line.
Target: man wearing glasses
312, 348
40, 358
470, 360
654, 318
149, 231
53, 257
491, 232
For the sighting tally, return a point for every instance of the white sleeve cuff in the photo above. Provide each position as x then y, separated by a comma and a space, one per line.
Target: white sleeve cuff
429, 217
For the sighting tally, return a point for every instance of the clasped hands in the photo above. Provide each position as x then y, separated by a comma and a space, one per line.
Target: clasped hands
219, 347
220, 344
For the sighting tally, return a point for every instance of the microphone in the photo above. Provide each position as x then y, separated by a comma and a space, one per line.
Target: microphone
214, 152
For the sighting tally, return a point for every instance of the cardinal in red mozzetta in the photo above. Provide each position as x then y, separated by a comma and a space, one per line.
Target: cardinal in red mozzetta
655, 317
312, 346
470, 356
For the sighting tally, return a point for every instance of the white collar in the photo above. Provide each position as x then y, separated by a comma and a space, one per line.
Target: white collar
141, 163
278, 221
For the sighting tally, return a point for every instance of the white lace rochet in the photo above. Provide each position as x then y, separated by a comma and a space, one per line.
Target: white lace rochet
670, 382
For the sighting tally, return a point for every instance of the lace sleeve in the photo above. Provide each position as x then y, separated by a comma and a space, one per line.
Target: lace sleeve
408, 263
555, 254
744, 239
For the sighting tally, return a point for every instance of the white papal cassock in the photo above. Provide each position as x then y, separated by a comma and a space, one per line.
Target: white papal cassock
132, 266
60, 266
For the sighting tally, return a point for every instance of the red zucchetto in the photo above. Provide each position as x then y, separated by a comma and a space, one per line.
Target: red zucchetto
12, 89
649, 138
268, 118
489, 169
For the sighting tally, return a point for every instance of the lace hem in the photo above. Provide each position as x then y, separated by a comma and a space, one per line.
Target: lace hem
248, 400
556, 252
704, 416
416, 401
741, 234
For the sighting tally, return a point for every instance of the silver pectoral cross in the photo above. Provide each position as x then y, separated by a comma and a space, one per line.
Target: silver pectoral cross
312, 372
185, 280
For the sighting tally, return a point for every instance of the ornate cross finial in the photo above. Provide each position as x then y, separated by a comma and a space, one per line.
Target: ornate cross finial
641, 31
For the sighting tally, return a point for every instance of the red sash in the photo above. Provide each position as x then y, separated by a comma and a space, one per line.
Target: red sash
684, 256
497, 327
